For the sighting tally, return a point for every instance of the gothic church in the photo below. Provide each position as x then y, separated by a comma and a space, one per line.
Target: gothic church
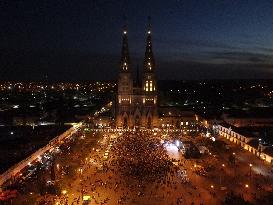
136, 103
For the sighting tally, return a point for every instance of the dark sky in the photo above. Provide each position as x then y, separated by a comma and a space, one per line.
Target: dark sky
81, 40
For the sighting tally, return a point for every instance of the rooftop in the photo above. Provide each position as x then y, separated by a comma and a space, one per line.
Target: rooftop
258, 112
268, 151
264, 133
171, 111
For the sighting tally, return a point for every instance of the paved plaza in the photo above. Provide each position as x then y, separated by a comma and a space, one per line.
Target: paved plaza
148, 168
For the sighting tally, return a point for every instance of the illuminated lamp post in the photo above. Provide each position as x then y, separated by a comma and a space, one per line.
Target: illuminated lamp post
234, 155
250, 169
195, 173
80, 170
220, 176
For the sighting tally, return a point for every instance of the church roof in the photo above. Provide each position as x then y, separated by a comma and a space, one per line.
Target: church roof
175, 112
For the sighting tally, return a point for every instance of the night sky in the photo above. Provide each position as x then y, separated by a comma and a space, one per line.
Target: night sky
81, 40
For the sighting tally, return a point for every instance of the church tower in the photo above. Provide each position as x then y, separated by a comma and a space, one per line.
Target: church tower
149, 83
125, 84
137, 105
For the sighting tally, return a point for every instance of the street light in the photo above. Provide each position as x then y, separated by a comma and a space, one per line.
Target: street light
246, 186
250, 166
220, 177
195, 172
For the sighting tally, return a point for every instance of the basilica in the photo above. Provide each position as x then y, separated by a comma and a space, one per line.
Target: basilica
136, 104
137, 100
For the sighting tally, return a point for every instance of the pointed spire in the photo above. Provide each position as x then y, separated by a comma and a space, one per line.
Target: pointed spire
149, 63
125, 58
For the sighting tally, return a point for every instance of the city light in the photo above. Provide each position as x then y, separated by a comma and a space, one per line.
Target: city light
64, 192
177, 143
86, 198
80, 170
125, 133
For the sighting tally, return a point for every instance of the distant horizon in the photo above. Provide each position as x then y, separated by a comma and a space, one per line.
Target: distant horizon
114, 80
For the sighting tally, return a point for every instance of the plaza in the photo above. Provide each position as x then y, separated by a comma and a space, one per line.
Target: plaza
147, 167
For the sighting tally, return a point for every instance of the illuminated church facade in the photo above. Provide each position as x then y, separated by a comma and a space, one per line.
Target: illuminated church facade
137, 103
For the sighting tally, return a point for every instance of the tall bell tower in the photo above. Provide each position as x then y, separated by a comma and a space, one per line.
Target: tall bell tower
125, 83
149, 83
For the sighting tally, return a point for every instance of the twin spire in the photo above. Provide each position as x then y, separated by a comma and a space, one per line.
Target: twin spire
125, 58
149, 56
149, 63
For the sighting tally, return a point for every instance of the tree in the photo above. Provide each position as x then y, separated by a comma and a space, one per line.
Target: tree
265, 199
52, 170
232, 199
40, 179
231, 159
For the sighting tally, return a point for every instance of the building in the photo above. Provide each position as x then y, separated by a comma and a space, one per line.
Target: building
174, 118
252, 117
137, 99
137, 103
247, 140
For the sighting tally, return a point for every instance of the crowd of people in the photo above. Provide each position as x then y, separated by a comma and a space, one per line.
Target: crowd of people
141, 156
138, 169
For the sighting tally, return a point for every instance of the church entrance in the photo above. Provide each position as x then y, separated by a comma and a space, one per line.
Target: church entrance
149, 123
137, 121
125, 122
